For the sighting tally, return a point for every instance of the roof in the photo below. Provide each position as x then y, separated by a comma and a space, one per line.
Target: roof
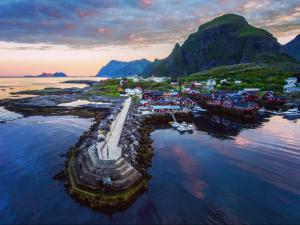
173, 107
155, 93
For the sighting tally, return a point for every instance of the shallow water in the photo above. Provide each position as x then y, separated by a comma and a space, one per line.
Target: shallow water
223, 172
11, 85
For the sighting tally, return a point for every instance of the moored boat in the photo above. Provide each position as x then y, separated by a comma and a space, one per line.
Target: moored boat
292, 113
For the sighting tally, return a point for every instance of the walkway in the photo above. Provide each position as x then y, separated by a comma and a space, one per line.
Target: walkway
109, 149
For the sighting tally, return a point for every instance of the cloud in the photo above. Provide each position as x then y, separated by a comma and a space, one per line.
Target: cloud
88, 24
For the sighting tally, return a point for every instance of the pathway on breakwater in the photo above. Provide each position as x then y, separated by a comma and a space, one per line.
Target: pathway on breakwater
109, 150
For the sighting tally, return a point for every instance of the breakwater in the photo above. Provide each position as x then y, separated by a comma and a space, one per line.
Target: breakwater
99, 177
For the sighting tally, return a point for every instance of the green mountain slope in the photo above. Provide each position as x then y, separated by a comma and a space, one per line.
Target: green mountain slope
252, 76
226, 40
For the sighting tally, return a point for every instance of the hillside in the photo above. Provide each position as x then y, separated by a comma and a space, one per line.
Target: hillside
226, 40
119, 68
293, 48
251, 75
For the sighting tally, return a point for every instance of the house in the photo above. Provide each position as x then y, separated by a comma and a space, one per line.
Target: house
134, 91
165, 108
270, 99
250, 93
186, 89
134, 78
292, 89
291, 80
157, 79
237, 82
174, 84
197, 84
210, 83
154, 95
291, 85
224, 81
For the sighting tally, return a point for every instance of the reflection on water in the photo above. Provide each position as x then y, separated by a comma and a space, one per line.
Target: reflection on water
248, 172
229, 173
11, 85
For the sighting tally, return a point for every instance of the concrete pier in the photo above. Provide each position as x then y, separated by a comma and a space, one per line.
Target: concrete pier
109, 149
102, 161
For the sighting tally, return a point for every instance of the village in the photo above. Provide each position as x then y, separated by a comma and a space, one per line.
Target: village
205, 96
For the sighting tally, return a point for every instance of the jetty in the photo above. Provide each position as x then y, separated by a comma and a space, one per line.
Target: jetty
101, 165
109, 149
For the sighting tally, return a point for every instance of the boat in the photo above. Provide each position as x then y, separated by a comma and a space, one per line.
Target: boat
292, 113
262, 111
277, 112
198, 109
185, 127
175, 125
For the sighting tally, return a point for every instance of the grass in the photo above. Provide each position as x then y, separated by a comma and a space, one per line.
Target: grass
108, 88
251, 75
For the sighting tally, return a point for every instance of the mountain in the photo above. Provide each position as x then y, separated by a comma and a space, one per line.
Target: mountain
56, 74
118, 68
226, 40
293, 48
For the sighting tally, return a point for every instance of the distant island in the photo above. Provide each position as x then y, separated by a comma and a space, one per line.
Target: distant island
119, 68
56, 74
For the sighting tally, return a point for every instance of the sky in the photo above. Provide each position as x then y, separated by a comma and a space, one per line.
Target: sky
78, 37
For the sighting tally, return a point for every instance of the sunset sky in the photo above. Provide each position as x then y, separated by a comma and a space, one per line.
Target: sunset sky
78, 37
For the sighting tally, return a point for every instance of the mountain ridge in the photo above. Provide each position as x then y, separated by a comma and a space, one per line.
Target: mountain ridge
225, 40
293, 47
115, 68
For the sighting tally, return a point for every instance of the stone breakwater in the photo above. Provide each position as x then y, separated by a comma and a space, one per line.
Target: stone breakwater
96, 178
103, 182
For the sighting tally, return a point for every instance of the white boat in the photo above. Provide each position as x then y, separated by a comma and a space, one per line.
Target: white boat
262, 111
292, 113
185, 127
277, 112
198, 109
175, 125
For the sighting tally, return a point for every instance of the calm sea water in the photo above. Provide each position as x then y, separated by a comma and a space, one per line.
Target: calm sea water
223, 173
10, 85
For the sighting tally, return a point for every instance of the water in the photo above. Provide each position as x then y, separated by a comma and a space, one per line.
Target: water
11, 85
221, 173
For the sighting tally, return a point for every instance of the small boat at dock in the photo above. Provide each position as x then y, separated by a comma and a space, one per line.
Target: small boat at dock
183, 127
175, 125
292, 113
198, 109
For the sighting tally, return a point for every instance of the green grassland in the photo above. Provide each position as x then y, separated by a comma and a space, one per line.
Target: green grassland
251, 75
109, 87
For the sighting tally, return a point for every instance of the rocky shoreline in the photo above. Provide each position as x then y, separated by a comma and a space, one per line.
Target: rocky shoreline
84, 173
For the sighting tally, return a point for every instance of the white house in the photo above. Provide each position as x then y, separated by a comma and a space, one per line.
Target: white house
237, 82
198, 84
210, 83
292, 81
291, 85
186, 89
157, 79
224, 81
134, 91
